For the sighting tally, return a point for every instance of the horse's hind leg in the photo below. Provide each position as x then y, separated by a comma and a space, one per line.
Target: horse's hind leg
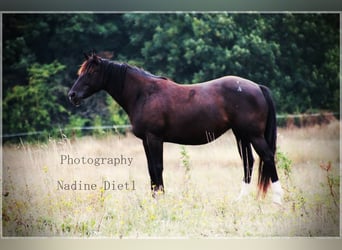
246, 155
267, 169
250, 162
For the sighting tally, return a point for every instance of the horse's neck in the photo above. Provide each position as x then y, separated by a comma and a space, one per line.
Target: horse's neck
115, 75
121, 85
133, 90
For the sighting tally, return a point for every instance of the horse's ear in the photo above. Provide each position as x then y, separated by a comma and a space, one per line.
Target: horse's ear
86, 56
94, 57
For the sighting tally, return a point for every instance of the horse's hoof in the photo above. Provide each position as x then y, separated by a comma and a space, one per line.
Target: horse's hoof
277, 193
245, 190
157, 192
277, 199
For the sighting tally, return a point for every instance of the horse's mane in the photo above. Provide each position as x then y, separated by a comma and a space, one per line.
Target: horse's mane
88, 66
145, 73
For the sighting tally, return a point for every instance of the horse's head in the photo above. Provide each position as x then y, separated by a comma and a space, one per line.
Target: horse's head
90, 79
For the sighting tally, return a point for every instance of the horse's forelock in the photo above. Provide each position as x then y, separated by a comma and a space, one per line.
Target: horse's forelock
83, 68
88, 65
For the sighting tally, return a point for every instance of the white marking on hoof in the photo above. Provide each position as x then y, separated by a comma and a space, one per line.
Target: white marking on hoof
277, 193
245, 190
157, 192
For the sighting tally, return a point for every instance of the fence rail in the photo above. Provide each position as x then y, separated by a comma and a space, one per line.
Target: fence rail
306, 115
127, 126
115, 127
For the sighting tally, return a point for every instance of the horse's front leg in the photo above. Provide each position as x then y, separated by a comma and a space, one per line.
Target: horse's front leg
154, 153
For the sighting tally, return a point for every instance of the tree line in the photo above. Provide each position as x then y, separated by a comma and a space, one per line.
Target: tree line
295, 55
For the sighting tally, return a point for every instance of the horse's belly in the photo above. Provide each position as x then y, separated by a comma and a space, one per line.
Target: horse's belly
193, 136
194, 126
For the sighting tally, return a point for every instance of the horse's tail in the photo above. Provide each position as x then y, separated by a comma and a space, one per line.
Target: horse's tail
271, 125
270, 137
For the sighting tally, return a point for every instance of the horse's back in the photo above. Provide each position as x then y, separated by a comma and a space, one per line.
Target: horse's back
235, 83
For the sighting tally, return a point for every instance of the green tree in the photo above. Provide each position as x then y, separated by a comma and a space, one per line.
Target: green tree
33, 107
308, 61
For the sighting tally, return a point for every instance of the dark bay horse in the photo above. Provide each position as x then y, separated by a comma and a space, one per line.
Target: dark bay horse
161, 110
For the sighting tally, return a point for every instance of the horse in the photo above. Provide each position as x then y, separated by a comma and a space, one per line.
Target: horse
161, 110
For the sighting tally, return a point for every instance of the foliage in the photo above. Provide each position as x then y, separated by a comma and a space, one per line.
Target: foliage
75, 122
97, 123
117, 114
34, 106
185, 159
296, 55
284, 166
284, 163
333, 182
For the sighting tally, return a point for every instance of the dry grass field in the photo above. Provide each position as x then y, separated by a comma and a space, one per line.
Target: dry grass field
201, 184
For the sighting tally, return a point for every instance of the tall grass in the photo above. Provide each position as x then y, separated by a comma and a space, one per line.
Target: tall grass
201, 184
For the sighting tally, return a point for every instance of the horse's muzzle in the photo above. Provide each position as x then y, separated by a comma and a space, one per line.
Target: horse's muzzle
74, 99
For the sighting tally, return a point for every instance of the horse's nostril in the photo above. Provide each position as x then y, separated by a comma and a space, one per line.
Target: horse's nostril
74, 98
